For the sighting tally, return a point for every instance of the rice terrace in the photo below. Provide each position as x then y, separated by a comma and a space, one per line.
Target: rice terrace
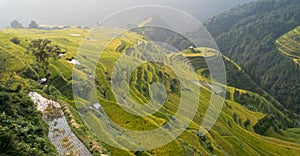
151, 85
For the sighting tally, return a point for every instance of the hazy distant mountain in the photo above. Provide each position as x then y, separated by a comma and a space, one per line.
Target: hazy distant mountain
78, 12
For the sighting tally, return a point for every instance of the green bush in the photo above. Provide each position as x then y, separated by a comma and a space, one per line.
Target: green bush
15, 41
22, 129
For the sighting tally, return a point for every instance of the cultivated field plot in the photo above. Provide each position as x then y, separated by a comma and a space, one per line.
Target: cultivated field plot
289, 44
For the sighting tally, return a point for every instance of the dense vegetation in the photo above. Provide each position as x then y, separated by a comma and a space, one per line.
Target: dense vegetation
22, 129
247, 34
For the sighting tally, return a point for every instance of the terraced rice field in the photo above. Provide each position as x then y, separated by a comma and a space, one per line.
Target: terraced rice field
230, 135
289, 44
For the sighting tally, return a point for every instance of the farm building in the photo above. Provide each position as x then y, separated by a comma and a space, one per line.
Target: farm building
96, 105
42, 81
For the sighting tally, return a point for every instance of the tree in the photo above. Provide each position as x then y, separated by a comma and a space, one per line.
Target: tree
247, 123
16, 24
43, 50
33, 25
5, 68
4, 62
15, 40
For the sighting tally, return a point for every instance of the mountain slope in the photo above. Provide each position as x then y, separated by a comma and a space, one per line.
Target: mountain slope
289, 44
233, 133
247, 34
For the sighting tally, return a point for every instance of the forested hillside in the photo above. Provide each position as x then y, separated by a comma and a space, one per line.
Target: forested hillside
247, 34
22, 129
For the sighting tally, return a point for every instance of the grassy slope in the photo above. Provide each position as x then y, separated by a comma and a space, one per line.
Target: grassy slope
227, 136
289, 44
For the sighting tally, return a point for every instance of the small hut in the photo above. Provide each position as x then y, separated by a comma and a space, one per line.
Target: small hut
96, 105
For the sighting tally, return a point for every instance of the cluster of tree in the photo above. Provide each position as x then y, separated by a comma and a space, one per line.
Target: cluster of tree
258, 104
22, 130
236, 118
15, 40
247, 34
43, 50
17, 24
206, 143
267, 122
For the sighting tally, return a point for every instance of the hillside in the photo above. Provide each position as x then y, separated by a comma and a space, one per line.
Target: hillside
289, 44
236, 76
248, 124
248, 34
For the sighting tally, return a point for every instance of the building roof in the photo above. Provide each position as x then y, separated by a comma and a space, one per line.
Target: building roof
97, 105
43, 80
